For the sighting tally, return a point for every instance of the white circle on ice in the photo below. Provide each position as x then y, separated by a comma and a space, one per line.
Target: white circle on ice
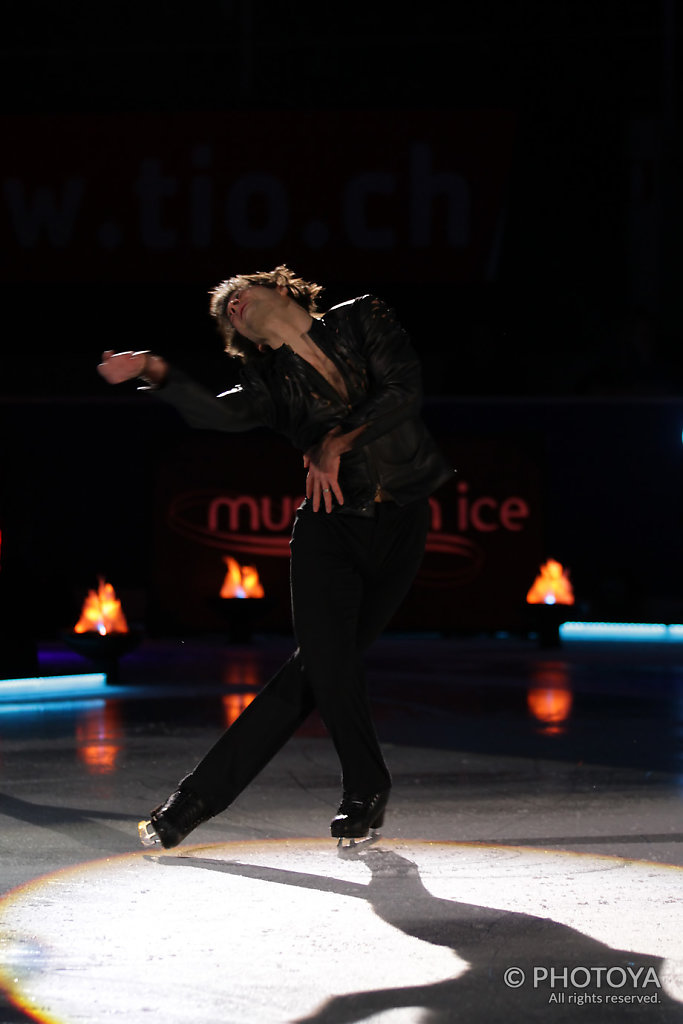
275, 930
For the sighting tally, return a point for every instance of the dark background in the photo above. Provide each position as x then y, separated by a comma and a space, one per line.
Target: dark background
561, 335
582, 296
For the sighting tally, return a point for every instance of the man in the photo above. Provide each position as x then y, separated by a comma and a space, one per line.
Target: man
345, 389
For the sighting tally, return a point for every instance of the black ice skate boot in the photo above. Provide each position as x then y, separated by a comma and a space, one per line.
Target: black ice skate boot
169, 823
358, 814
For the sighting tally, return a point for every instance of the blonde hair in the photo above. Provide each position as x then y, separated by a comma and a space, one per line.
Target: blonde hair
305, 293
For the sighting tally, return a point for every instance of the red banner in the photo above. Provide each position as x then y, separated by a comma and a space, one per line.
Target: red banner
220, 497
392, 196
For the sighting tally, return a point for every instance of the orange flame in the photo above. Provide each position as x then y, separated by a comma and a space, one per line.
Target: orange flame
240, 580
551, 586
102, 612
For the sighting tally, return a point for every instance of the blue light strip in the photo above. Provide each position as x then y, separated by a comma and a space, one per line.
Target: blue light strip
36, 707
621, 631
92, 683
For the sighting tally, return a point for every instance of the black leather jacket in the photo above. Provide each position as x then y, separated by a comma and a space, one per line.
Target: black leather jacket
362, 337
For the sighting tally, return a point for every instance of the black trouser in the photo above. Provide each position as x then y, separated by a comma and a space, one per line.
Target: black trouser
348, 576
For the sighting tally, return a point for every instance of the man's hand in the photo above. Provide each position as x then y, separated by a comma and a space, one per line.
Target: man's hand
322, 463
117, 367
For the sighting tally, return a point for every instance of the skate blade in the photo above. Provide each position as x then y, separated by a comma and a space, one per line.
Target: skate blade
148, 836
357, 844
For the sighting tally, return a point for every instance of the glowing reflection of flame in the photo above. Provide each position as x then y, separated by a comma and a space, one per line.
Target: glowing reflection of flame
240, 580
551, 586
243, 672
234, 704
102, 612
98, 738
550, 698
246, 673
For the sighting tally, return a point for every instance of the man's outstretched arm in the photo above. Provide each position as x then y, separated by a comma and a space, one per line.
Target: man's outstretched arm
235, 410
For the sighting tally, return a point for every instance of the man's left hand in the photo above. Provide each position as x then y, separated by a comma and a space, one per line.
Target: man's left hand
322, 481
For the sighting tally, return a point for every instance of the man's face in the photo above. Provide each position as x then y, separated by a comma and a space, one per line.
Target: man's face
251, 308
